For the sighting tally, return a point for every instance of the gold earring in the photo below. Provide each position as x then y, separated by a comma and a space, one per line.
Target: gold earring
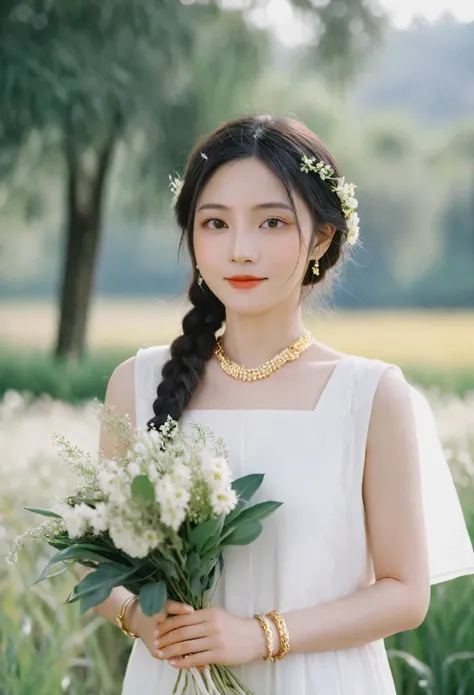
316, 267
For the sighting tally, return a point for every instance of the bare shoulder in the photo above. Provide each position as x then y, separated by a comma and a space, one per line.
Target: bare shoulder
120, 393
392, 396
392, 421
121, 388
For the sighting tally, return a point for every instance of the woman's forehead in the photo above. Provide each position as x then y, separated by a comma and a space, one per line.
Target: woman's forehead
245, 183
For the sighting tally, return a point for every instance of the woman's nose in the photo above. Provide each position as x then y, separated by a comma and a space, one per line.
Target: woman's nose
243, 247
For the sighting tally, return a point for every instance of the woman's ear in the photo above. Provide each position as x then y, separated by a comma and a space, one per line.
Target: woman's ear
324, 238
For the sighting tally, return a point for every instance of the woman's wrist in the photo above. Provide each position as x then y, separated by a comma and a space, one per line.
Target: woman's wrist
259, 638
133, 617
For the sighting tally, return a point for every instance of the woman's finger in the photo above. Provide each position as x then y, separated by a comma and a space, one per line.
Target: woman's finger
180, 635
202, 659
173, 608
188, 648
177, 608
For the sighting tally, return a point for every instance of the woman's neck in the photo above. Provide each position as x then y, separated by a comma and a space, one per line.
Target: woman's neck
252, 340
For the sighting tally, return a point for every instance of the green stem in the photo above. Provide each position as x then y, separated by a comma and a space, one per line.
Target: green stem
236, 683
215, 674
175, 689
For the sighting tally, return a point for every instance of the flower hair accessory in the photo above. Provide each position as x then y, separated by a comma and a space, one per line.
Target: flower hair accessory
345, 192
176, 185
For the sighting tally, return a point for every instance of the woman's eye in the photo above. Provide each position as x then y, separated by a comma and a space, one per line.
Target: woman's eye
213, 219
272, 220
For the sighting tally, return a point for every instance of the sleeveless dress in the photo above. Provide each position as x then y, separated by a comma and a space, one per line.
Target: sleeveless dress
314, 548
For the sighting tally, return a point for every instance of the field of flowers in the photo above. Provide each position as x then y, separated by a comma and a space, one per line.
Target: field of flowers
47, 648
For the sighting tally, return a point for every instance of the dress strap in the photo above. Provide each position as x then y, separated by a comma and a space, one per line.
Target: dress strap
149, 362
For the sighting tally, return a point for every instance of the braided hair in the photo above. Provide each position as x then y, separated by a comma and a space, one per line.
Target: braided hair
279, 143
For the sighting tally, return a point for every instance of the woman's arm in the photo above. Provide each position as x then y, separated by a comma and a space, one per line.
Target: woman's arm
121, 394
399, 598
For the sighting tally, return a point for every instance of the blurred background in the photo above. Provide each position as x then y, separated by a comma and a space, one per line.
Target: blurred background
100, 101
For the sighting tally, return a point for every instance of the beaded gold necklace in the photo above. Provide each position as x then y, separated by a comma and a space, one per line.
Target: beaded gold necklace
238, 371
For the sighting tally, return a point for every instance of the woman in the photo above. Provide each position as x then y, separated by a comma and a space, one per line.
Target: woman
347, 559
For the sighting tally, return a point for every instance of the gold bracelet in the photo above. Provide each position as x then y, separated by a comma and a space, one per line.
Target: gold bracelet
283, 632
121, 617
268, 634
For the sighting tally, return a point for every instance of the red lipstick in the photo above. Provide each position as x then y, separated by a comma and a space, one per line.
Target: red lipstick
245, 282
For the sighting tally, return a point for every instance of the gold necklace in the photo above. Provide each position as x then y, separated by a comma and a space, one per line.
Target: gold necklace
238, 371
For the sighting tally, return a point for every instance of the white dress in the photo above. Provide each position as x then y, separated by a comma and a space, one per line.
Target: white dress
314, 548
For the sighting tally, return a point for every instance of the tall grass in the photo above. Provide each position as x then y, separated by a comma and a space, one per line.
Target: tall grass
47, 648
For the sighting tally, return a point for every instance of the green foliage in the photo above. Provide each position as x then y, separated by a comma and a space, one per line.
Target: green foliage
46, 645
36, 374
153, 597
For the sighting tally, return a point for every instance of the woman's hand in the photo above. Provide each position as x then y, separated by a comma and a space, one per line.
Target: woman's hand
209, 636
145, 626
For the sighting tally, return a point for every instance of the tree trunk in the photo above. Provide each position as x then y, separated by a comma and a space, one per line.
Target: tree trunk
85, 199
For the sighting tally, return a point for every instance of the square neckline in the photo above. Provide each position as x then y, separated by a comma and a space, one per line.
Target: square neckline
321, 398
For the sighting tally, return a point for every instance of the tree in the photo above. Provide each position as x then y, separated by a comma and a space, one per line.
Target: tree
88, 74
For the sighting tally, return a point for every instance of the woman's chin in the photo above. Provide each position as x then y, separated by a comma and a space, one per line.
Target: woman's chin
246, 307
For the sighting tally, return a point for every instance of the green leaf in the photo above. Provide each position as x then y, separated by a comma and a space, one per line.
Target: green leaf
167, 566
49, 576
43, 512
193, 563
243, 535
240, 506
108, 574
196, 586
153, 597
247, 486
75, 551
202, 533
257, 512
94, 598
142, 489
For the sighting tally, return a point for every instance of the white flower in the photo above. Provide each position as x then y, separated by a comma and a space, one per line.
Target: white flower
216, 472
65, 683
140, 449
173, 500
133, 469
172, 516
105, 479
344, 190
99, 520
153, 538
223, 501
176, 184
77, 519
126, 539
181, 475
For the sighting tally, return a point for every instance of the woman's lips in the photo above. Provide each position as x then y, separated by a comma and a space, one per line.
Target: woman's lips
244, 283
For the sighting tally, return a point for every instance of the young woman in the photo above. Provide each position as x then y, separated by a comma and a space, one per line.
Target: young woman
349, 557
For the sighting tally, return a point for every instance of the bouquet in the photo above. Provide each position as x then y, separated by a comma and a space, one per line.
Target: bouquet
155, 518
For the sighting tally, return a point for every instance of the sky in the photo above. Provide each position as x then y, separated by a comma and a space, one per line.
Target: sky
401, 12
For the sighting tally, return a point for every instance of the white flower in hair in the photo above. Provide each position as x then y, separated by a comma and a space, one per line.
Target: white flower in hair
345, 192
176, 184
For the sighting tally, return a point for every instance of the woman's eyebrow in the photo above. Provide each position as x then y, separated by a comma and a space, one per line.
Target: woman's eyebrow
260, 206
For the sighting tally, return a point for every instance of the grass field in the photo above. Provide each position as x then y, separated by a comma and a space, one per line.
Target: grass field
430, 339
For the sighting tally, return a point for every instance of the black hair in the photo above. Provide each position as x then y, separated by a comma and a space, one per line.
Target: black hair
280, 144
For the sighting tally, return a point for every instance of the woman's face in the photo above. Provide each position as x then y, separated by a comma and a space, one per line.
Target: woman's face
244, 226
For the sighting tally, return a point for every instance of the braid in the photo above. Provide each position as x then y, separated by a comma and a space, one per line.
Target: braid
189, 353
